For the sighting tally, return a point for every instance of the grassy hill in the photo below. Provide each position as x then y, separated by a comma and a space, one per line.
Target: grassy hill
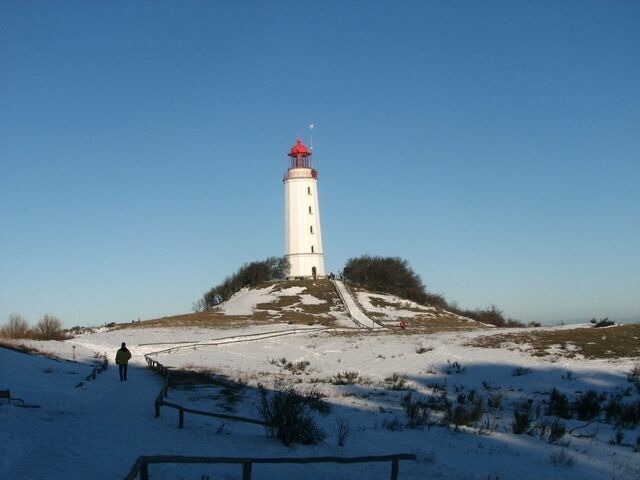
315, 302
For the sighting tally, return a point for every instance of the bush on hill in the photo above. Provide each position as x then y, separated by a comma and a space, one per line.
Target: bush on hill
390, 275
603, 322
394, 275
249, 275
491, 316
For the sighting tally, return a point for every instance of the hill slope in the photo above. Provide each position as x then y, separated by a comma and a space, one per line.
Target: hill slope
316, 302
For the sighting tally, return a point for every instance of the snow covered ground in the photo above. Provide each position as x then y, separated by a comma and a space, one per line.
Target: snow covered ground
98, 429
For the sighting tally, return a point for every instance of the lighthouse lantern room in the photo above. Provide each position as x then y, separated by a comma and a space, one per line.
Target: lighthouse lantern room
302, 234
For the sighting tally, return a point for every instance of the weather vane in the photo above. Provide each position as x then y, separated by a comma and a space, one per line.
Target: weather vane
311, 135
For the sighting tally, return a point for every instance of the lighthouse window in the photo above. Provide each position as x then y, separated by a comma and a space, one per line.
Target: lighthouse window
311, 229
310, 212
308, 190
311, 248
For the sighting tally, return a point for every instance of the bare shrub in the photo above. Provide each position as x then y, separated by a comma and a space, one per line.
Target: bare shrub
495, 400
417, 411
345, 378
466, 413
562, 458
630, 415
287, 414
454, 367
393, 424
557, 429
587, 406
489, 426
618, 438
558, 404
519, 371
296, 368
422, 349
16, 327
521, 421
396, 381
626, 415
49, 328
634, 376
343, 430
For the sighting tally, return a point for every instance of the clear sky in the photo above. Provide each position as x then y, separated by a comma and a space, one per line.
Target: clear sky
494, 145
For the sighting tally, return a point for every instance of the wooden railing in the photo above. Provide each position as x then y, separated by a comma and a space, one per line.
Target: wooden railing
141, 466
161, 402
95, 371
100, 369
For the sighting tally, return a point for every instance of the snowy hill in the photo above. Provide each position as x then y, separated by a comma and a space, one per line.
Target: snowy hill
316, 302
98, 429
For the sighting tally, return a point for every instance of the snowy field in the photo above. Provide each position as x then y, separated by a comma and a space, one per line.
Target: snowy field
97, 429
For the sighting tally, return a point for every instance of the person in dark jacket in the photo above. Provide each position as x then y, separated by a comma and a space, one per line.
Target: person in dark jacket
122, 359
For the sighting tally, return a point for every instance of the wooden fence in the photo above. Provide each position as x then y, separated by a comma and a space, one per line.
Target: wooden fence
141, 466
95, 371
161, 402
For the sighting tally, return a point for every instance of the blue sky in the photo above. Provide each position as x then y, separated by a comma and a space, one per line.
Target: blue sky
494, 145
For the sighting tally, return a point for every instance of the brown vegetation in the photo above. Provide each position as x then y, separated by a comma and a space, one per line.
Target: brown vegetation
394, 275
47, 328
609, 342
291, 310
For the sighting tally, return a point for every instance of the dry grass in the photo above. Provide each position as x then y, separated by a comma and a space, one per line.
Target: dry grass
378, 302
439, 321
279, 303
286, 308
209, 319
290, 309
18, 347
611, 342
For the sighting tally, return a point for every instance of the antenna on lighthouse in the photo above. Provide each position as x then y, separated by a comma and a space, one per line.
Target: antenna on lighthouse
311, 135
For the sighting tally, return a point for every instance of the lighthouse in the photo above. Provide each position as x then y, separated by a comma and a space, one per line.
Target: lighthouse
302, 234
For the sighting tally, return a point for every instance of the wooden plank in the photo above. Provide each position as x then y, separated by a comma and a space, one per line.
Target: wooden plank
142, 463
394, 469
246, 471
278, 460
212, 414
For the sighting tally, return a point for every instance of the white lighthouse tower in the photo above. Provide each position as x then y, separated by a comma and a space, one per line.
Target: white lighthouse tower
302, 234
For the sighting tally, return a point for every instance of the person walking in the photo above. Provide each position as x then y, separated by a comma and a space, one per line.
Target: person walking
122, 359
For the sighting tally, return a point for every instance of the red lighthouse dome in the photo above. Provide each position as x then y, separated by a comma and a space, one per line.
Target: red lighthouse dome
299, 149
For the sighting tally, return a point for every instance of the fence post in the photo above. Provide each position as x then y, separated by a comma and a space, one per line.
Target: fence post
181, 417
144, 470
246, 471
394, 469
157, 405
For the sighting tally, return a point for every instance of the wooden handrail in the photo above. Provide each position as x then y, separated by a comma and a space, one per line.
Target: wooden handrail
159, 402
141, 465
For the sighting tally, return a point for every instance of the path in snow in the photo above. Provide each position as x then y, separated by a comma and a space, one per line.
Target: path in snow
89, 430
95, 431
357, 315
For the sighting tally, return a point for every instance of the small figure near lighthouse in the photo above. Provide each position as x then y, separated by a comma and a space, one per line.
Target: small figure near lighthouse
302, 234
